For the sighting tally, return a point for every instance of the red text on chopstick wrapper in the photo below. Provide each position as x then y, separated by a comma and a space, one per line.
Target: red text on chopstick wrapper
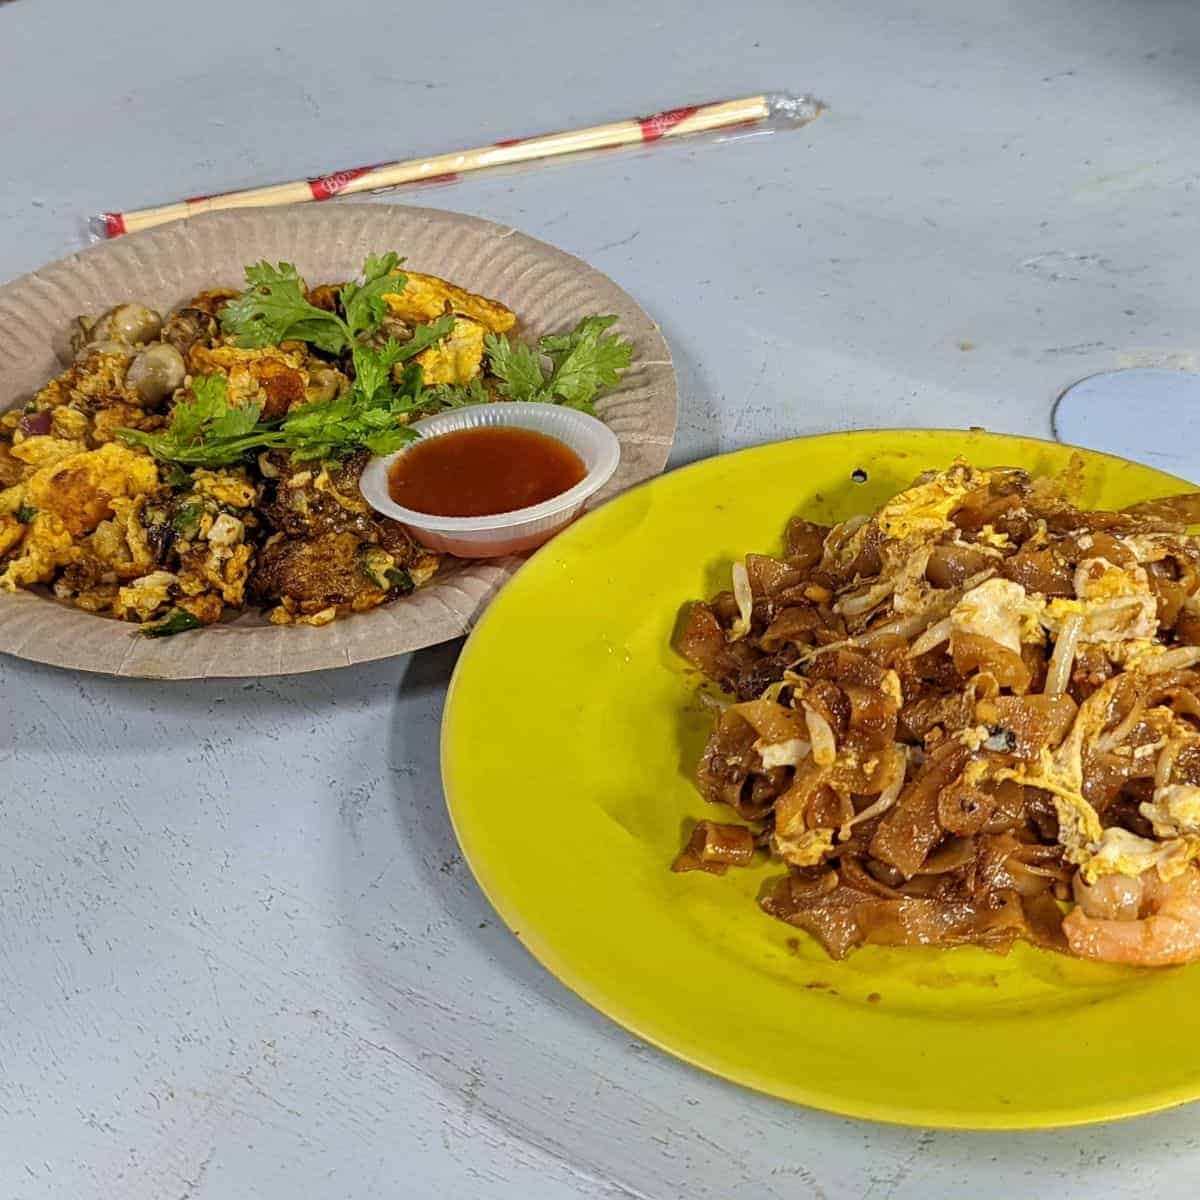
656, 126
326, 186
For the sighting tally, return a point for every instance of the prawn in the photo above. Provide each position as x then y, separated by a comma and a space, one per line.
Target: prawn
1143, 922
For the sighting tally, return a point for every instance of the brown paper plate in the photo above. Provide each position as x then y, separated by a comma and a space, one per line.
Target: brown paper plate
547, 288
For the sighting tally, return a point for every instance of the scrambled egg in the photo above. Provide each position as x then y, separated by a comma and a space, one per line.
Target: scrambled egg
805, 849
97, 379
231, 487
458, 358
43, 450
69, 424
1116, 603
276, 378
145, 596
924, 509
426, 297
11, 532
1174, 810
80, 488
121, 544
1120, 852
999, 610
48, 545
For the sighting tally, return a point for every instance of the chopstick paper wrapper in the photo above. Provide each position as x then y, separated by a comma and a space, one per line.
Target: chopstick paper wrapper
722, 120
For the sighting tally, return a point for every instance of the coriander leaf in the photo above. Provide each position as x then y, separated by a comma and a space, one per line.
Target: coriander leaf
373, 368
236, 421
25, 512
178, 620
337, 427
585, 360
363, 302
456, 395
518, 368
205, 431
274, 308
425, 336
585, 406
186, 522
398, 577
209, 400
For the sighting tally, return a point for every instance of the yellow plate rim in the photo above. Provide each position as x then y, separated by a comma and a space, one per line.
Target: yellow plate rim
710, 1059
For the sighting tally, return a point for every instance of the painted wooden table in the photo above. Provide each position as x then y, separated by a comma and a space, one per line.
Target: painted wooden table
239, 953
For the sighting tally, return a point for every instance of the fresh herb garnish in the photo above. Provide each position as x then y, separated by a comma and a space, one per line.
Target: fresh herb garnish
398, 577
25, 512
186, 522
205, 431
178, 620
208, 431
582, 363
275, 308
457, 395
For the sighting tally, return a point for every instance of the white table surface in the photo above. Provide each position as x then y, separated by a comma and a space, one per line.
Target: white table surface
240, 955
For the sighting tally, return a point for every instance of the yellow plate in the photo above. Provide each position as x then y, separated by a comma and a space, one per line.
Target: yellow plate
570, 734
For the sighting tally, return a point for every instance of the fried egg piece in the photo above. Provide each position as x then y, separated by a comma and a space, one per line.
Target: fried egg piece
426, 297
80, 488
458, 358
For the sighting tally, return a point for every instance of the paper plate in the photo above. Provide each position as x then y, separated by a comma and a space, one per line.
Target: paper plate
548, 289
570, 736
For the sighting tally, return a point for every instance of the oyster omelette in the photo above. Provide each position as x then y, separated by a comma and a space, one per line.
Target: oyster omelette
185, 466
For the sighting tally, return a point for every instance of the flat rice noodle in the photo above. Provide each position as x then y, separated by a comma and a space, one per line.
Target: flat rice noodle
951, 565
702, 641
848, 665
792, 808
865, 877
1033, 721
1009, 811
984, 507
770, 721
714, 847
1176, 511
793, 626
1169, 595
1187, 628
1043, 921
1036, 663
995, 922
765, 788
872, 715
953, 711
1160, 684
830, 916
964, 810
804, 543
953, 853
769, 576
971, 652
831, 702
757, 674
911, 830
1040, 571
728, 757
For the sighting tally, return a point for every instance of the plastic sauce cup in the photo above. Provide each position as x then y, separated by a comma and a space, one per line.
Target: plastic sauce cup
508, 532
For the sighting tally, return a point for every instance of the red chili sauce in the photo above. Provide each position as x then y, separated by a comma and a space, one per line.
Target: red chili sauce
483, 471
